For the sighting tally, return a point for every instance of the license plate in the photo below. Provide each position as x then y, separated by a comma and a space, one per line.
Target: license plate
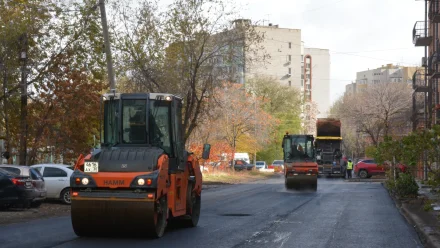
43, 194
28, 184
91, 167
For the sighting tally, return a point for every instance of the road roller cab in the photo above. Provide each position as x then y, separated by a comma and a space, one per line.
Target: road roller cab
300, 167
142, 177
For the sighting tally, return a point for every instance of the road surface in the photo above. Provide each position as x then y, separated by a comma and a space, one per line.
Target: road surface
263, 214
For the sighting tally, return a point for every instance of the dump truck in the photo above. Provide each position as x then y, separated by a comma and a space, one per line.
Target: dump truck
300, 167
328, 144
142, 177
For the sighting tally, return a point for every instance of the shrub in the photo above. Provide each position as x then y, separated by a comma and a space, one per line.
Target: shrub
428, 205
406, 186
390, 183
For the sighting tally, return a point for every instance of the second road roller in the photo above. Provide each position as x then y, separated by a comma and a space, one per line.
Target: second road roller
300, 167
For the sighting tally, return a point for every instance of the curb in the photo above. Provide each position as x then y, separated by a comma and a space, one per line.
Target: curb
427, 240
423, 231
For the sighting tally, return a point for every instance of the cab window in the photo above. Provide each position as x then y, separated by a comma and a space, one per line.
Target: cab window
134, 121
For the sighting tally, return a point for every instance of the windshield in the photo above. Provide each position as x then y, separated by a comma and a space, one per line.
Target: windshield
298, 148
134, 121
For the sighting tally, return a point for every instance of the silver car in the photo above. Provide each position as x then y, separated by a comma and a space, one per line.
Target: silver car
57, 177
39, 186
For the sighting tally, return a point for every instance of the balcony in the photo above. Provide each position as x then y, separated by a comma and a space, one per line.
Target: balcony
433, 62
418, 81
420, 37
434, 11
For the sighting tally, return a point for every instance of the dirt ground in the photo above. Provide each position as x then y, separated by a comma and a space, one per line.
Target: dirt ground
46, 210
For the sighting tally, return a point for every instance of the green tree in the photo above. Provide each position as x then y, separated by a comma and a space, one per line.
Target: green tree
284, 103
63, 48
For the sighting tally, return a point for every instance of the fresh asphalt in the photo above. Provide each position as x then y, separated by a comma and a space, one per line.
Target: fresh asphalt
261, 214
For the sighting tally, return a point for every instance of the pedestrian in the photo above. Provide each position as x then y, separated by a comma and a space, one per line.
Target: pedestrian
344, 165
349, 168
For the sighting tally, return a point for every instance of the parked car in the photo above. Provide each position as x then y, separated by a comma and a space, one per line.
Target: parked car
261, 165
367, 168
39, 186
57, 177
277, 165
242, 165
15, 189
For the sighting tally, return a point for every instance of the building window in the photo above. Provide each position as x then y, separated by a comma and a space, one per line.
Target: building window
290, 44
290, 57
302, 76
302, 82
290, 70
290, 83
302, 58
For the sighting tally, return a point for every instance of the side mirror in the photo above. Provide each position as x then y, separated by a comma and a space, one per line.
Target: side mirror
206, 151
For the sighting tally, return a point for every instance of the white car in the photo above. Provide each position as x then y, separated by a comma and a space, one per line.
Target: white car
57, 178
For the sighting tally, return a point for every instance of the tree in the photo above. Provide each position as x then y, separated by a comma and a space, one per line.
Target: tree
311, 117
378, 111
284, 104
202, 49
235, 118
63, 43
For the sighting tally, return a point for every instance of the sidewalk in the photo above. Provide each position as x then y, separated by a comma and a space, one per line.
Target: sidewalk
426, 223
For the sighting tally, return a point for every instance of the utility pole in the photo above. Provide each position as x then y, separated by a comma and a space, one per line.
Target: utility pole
23, 105
107, 47
5, 105
256, 139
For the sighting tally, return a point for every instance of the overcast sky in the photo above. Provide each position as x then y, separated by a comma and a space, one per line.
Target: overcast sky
360, 34
357, 27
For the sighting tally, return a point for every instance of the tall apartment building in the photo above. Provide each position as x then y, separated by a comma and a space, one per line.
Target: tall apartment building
292, 64
426, 84
316, 73
283, 45
385, 74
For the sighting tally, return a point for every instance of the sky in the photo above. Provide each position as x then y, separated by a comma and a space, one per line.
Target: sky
360, 34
